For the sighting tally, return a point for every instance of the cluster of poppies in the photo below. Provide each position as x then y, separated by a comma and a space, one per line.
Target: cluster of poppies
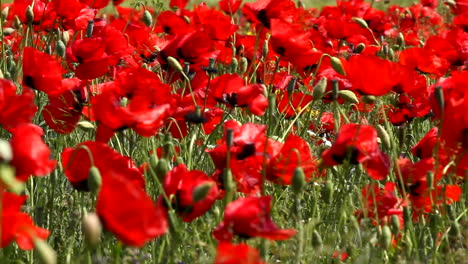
167, 73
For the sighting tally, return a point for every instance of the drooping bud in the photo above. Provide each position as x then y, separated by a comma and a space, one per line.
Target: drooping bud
336, 65
86, 125
361, 22
60, 48
147, 18
45, 252
298, 180
92, 229
29, 14
348, 96
386, 238
5, 12
201, 191
174, 63
265, 48
316, 240
320, 88
384, 137
89, 29
94, 179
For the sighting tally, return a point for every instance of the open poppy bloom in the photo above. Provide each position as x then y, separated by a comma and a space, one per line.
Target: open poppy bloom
250, 217
181, 184
15, 109
236, 254
30, 155
358, 144
17, 225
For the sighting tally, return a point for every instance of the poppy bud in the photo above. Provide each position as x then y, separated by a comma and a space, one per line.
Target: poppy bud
361, 22
89, 29
60, 48
337, 66
17, 23
327, 192
179, 161
46, 253
8, 31
320, 89
265, 48
174, 63
316, 240
400, 39
291, 85
300, 4
92, 229
86, 125
391, 54
386, 237
395, 224
147, 18
439, 95
65, 37
454, 231
244, 63
187, 19
1, 74
6, 153
29, 14
161, 169
94, 179
298, 180
407, 214
234, 65
201, 191
7, 176
430, 180
369, 99
5, 12
348, 96
384, 137
360, 48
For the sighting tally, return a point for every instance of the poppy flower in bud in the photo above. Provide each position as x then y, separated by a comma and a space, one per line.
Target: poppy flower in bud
229, 6
30, 155
15, 108
63, 112
77, 164
424, 148
228, 253
250, 217
294, 153
358, 144
380, 203
128, 212
17, 225
182, 185
371, 75
230, 90
48, 77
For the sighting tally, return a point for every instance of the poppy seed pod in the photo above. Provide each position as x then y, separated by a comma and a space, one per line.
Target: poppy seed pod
92, 229
46, 253
147, 18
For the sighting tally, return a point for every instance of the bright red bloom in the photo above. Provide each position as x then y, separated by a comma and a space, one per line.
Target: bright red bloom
17, 225
358, 144
14, 108
30, 155
96, 4
181, 183
294, 153
230, 90
77, 163
263, 11
425, 147
250, 217
236, 254
229, 6
48, 77
178, 3
424, 60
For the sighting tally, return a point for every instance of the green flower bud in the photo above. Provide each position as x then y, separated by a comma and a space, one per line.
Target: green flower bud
174, 63
360, 48
7, 176
348, 96
298, 180
336, 65
327, 192
361, 22
92, 229
395, 223
201, 191
94, 179
6, 153
386, 238
29, 14
8, 31
147, 18
45, 252
369, 99
234, 65
455, 231
384, 137
161, 169
320, 88
244, 64
316, 240
61, 48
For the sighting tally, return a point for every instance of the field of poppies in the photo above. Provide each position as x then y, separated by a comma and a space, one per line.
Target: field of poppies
269, 131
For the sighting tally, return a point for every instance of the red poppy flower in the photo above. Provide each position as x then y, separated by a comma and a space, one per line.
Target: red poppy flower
172, 24
68, 9
96, 4
178, 3
127, 211
380, 204
294, 153
425, 147
228, 253
291, 104
230, 90
17, 225
77, 163
263, 11
182, 183
48, 77
424, 60
358, 144
30, 155
64, 111
214, 23
15, 109
229, 6
250, 217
